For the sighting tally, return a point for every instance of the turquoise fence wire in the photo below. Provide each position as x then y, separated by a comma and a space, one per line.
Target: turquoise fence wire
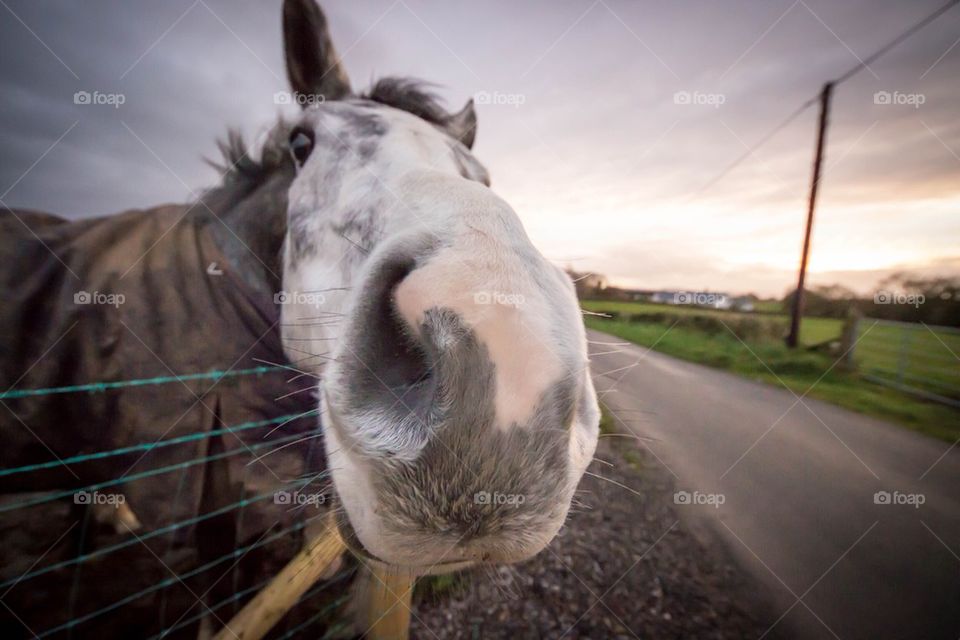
104, 386
144, 474
139, 382
147, 536
149, 446
163, 584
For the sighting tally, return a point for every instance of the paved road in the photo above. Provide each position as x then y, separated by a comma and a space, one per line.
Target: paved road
798, 480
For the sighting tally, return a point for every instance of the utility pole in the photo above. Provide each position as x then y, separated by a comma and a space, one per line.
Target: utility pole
797, 310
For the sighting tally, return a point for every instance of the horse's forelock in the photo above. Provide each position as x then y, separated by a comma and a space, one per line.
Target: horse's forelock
410, 95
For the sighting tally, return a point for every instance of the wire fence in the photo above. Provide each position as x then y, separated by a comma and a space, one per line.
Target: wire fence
127, 608
919, 359
140, 382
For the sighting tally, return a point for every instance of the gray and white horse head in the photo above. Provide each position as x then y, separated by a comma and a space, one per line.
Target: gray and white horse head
458, 410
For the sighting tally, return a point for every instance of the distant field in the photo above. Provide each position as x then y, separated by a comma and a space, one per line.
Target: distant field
769, 306
930, 366
812, 330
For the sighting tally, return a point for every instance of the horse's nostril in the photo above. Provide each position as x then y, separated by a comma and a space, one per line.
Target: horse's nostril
387, 352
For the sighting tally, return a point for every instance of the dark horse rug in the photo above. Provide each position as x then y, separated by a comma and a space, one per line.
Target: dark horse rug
143, 295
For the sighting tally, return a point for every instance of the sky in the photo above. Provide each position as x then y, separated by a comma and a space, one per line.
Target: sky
601, 122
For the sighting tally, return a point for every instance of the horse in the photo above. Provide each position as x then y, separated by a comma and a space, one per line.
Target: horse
361, 249
457, 405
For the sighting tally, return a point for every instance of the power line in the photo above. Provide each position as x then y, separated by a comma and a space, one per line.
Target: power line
842, 78
749, 152
893, 43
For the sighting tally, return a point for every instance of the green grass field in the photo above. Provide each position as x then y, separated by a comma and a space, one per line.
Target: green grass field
916, 355
769, 306
812, 330
773, 363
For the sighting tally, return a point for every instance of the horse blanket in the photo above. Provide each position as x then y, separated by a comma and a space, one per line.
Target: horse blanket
140, 295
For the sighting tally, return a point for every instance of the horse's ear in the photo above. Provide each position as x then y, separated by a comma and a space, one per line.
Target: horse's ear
463, 125
470, 167
312, 63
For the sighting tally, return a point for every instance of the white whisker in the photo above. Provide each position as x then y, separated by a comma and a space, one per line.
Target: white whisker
607, 353
627, 435
287, 395
283, 366
611, 481
296, 377
305, 413
625, 368
284, 446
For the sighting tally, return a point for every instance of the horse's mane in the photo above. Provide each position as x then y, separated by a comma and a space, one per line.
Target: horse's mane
244, 170
408, 94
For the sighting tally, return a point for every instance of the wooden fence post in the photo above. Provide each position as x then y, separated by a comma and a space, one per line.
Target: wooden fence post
848, 340
383, 598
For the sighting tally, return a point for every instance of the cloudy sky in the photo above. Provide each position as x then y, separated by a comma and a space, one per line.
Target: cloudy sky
586, 127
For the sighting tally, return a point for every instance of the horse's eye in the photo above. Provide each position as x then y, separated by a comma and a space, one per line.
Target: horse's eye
301, 144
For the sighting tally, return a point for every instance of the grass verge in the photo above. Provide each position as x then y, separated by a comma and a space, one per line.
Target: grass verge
770, 361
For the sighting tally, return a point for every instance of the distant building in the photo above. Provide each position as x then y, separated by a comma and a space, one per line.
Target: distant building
664, 297
709, 299
595, 286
